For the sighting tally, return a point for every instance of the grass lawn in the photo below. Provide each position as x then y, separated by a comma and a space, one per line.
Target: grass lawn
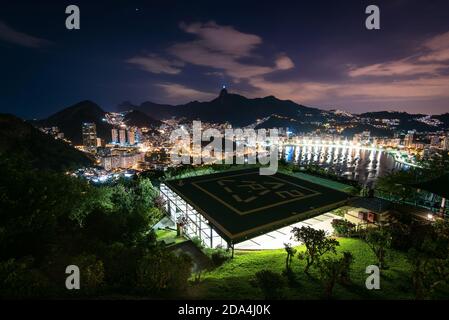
232, 280
169, 237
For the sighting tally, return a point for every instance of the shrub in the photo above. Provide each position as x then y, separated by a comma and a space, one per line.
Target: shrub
19, 279
317, 244
219, 256
333, 270
162, 271
270, 283
343, 228
91, 273
198, 242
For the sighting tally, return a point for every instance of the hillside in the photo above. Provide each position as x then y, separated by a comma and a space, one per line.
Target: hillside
137, 118
349, 132
20, 140
153, 110
443, 118
390, 115
70, 120
235, 109
294, 126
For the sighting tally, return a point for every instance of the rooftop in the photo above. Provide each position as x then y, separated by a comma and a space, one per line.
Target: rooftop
242, 204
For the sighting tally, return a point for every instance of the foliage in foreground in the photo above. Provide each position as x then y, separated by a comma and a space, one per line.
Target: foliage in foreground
49, 220
316, 243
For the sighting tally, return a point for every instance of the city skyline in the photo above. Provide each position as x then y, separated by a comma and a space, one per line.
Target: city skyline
314, 54
184, 153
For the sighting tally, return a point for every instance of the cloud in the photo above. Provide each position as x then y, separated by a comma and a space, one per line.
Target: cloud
439, 48
227, 52
223, 48
155, 64
429, 61
215, 74
404, 67
180, 93
314, 92
10, 35
438, 42
284, 63
440, 55
223, 39
422, 76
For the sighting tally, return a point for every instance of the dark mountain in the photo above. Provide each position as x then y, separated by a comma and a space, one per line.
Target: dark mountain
407, 121
349, 132
70, 120
411, 124
443, 118
233, 108
20, 140
390, 115
294, 126
153, 110
139, 119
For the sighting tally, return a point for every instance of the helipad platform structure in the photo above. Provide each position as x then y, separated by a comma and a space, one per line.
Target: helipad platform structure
233, 206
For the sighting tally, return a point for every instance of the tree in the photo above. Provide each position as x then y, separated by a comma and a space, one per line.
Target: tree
316, 243
145, 193
290, 254
19, 279
38, 209
397, 185
346, 262
430, 261
91, 273
159, 203
270, 283
343, 228
161, 271
436, 165
334, 270
49, 220
154, 214
379, 240
407, 231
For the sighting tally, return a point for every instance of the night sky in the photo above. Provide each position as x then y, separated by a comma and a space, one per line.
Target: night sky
317, 53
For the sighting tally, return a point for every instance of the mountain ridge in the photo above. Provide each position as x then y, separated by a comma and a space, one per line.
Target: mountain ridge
226, 107
21, 140
235, 109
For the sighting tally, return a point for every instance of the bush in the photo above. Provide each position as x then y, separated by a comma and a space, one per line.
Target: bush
219, 256
120, 267
18, 279
161, 271
333, 270
343, 228
91, 273
270, 283
198, 242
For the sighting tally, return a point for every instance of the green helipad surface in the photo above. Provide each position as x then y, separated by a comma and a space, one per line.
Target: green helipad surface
242, 204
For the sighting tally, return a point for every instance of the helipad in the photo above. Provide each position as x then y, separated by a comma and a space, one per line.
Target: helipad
239, 205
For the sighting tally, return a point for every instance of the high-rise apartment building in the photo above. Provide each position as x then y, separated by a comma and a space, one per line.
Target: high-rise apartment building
89, 131
131, 136
122, 136
114, 133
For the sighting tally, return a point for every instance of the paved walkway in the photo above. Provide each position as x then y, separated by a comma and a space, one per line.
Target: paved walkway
276, 239
200, 260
